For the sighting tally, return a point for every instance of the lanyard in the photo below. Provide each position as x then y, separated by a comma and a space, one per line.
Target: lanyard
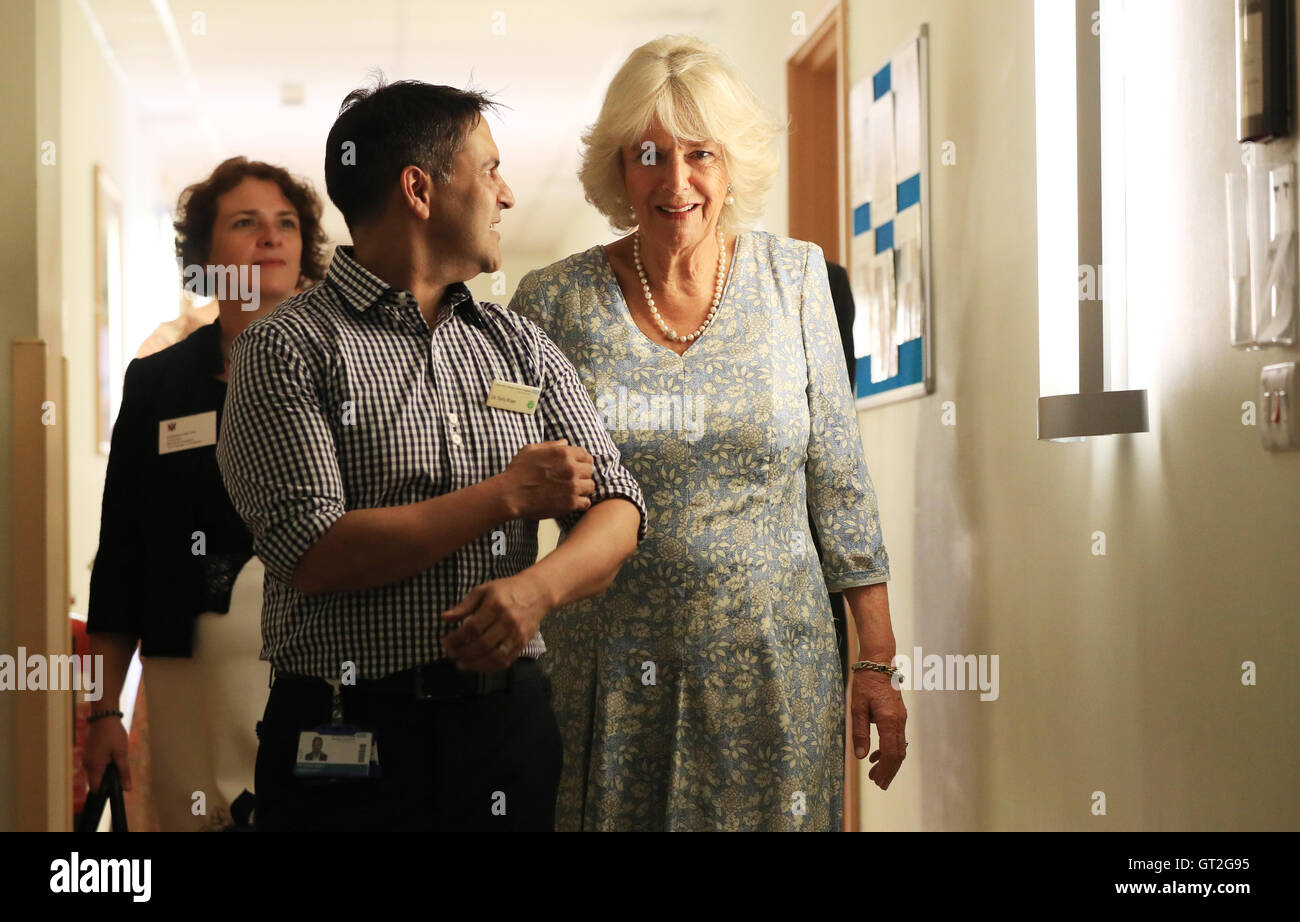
336, 703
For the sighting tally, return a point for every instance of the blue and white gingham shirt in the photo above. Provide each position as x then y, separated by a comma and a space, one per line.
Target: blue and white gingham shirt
342, 399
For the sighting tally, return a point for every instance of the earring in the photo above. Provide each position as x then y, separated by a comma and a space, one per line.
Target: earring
731, 199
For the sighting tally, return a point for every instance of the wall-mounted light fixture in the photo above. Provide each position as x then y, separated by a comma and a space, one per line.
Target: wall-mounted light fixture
1082, 271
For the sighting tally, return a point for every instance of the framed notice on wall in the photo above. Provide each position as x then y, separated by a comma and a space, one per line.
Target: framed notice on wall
889, 247
108, 306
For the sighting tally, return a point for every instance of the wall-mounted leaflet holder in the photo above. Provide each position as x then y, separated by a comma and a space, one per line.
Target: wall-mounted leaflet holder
1277, 405
1265, 63
1262, 255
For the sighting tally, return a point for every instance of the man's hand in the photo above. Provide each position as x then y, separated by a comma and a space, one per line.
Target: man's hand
366, 548
498, 618
549, 480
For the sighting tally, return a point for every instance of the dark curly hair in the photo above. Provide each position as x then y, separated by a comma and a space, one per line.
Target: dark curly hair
196, 214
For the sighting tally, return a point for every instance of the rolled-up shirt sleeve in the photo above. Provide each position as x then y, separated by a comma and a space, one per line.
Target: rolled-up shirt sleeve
568, 413
276, 450
841, 496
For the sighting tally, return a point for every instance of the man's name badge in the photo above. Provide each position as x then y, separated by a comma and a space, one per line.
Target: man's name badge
186, 432
335, 752
517, 398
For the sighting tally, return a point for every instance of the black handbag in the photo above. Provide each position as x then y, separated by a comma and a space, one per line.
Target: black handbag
110, 790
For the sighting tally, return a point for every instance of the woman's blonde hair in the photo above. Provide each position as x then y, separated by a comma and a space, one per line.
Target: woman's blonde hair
697, 96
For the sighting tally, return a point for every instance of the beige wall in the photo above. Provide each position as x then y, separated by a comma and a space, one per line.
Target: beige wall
18, 316
516, 262
32, 554
1119, 673
58, 89
757, 36
94, 118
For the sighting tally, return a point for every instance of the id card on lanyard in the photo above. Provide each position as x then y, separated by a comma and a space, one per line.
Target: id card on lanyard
336, 749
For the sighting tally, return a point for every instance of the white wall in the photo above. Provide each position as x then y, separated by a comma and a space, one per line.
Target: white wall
1120, 673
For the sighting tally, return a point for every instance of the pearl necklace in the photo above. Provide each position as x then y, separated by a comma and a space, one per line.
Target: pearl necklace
654, 311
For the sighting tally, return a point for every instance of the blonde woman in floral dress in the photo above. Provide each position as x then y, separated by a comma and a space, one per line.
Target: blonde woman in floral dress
702, 690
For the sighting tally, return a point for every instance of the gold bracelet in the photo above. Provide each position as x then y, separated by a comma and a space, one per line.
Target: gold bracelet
867, 664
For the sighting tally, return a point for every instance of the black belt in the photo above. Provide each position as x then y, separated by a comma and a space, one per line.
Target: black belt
440, 681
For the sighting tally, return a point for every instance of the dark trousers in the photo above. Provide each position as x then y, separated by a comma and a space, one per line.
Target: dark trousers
838, 613
445, 764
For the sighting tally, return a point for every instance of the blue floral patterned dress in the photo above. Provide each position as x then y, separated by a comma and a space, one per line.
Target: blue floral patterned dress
702, 690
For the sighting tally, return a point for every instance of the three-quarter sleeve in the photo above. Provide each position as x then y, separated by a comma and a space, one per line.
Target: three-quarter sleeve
276, 451
568, 413
116, 602
841, 497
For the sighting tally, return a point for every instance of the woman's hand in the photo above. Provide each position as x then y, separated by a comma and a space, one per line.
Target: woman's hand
876, 701
107, 742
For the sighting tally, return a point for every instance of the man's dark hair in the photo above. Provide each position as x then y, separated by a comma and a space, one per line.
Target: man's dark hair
381, 131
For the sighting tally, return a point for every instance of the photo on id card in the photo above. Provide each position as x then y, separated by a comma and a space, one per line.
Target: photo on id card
323, 754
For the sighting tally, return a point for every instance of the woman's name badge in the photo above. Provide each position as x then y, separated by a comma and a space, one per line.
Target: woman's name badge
186, 432
517, 398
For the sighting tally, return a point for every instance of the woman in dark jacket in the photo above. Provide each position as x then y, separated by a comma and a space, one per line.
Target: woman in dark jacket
175, 570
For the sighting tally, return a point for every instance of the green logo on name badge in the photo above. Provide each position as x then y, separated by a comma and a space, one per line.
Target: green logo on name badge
531, 404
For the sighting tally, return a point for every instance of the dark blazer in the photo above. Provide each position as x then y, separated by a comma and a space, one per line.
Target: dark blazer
842, 295
146, 580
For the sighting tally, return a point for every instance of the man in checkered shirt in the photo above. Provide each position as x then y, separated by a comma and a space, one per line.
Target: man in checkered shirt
391, 444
